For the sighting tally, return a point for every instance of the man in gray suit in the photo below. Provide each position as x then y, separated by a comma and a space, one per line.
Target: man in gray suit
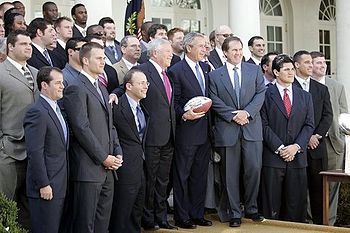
18, 90
334, 139
237, 90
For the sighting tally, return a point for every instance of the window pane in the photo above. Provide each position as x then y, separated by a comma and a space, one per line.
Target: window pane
277, 11
195, 26
167, 22
327, 52
270, 47
326, 37
329, 69
320, 33
156, 20
270, 33
279, 48
278, 33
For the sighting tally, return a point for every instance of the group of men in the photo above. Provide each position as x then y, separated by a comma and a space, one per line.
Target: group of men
93, 146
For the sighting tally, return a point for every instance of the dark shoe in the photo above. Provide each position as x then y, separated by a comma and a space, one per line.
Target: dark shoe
188, 224
255, 217
202, 222
167, 225
150, 227
235, 222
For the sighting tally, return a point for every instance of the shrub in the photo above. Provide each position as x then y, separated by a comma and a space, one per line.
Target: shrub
8, 216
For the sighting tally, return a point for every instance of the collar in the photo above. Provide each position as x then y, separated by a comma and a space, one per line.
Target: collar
38, 47
322, 80
81, 30
110, 43
301, 80
16, 64
230, 66
256, 61
62, 43
91, 79
158, 68
266, 81
191, 63
51, 102
128, 64
133, 104
281, 88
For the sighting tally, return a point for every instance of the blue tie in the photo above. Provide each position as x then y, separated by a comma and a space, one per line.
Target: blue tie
141, 121
200, 79
236, 82
63, 123
47, 56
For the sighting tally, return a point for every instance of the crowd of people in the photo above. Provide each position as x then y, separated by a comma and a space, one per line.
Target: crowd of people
94, 135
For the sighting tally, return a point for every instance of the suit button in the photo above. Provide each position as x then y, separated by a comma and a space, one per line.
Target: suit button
169, 120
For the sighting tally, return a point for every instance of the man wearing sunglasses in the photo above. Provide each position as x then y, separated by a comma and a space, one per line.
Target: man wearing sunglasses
217, 57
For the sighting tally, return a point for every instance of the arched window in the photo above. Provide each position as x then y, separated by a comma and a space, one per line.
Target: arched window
272, 25
327, 17
187, 4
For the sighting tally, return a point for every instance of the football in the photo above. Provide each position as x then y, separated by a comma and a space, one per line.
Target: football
199, 104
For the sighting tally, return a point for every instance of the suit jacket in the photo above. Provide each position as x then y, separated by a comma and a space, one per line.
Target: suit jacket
278, 129
76, 32
226, 132
111, 54
215, 59
144, 58
46, 149
16, 98
112, 77
121, 69
58, 56
162, 122
323, 115
186, 86
38, 60
251, 61
339, 105
133, 148
94, 136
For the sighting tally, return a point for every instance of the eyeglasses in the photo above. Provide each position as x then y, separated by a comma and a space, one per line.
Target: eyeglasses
76, 49
143, 83
225, 35
98, 34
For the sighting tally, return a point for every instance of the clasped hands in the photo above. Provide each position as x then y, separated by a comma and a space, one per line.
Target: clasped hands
288, 153
240, 117
113, 162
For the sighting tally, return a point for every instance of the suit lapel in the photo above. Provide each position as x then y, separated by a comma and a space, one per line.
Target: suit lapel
154, 75
191, 77
39, 56
15, 73
54, 118
276, 97
226, 80
129, 115
91, 88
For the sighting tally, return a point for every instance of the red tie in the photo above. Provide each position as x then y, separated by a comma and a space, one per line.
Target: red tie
167, 86
286, 102
102, 79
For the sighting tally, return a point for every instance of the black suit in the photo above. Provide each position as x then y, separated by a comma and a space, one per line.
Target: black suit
159, 145
130, 188
144, 58
251, 61
279, 179
112, 77
192, 150
317, 158
76, 32
47, 165
58, 56
94, 137
215, 59
38, 60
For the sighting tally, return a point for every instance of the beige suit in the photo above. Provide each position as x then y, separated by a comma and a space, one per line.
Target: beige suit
335, 140
16, 98
121, 69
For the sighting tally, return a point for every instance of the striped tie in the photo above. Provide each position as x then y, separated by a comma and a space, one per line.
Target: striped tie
29, 77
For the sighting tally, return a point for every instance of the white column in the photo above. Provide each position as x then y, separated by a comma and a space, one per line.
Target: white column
244, 20
97, 9
343, 35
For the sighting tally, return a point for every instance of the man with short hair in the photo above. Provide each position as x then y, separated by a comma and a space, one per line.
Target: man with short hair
176, 36
63, 27
144, 33
112, 50
217, 57
95, 149
18, 90
50, 12
130, 119
80, 16
266, 67
46, 135
131, 50
43, 36
256, 46
335, 139
192, 144
323, 116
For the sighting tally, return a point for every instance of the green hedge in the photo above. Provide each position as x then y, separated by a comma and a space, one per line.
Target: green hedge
8, 216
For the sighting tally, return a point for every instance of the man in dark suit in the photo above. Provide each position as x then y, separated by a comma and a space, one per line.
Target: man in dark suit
112, 50
335, 140
192, 150
130, 120
323, 116
43, 35
79, 15
237, 91
256, 46
216, 56
95, 150
160, 139
46, 135
288, 123
18, 90
63, 27
266, 67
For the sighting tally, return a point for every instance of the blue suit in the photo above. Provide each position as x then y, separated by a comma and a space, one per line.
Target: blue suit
47, 165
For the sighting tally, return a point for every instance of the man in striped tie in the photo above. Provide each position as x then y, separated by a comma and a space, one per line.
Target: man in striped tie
288, 123
17, 92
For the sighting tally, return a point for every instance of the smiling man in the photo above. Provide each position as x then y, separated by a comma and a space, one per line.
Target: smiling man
256, 46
